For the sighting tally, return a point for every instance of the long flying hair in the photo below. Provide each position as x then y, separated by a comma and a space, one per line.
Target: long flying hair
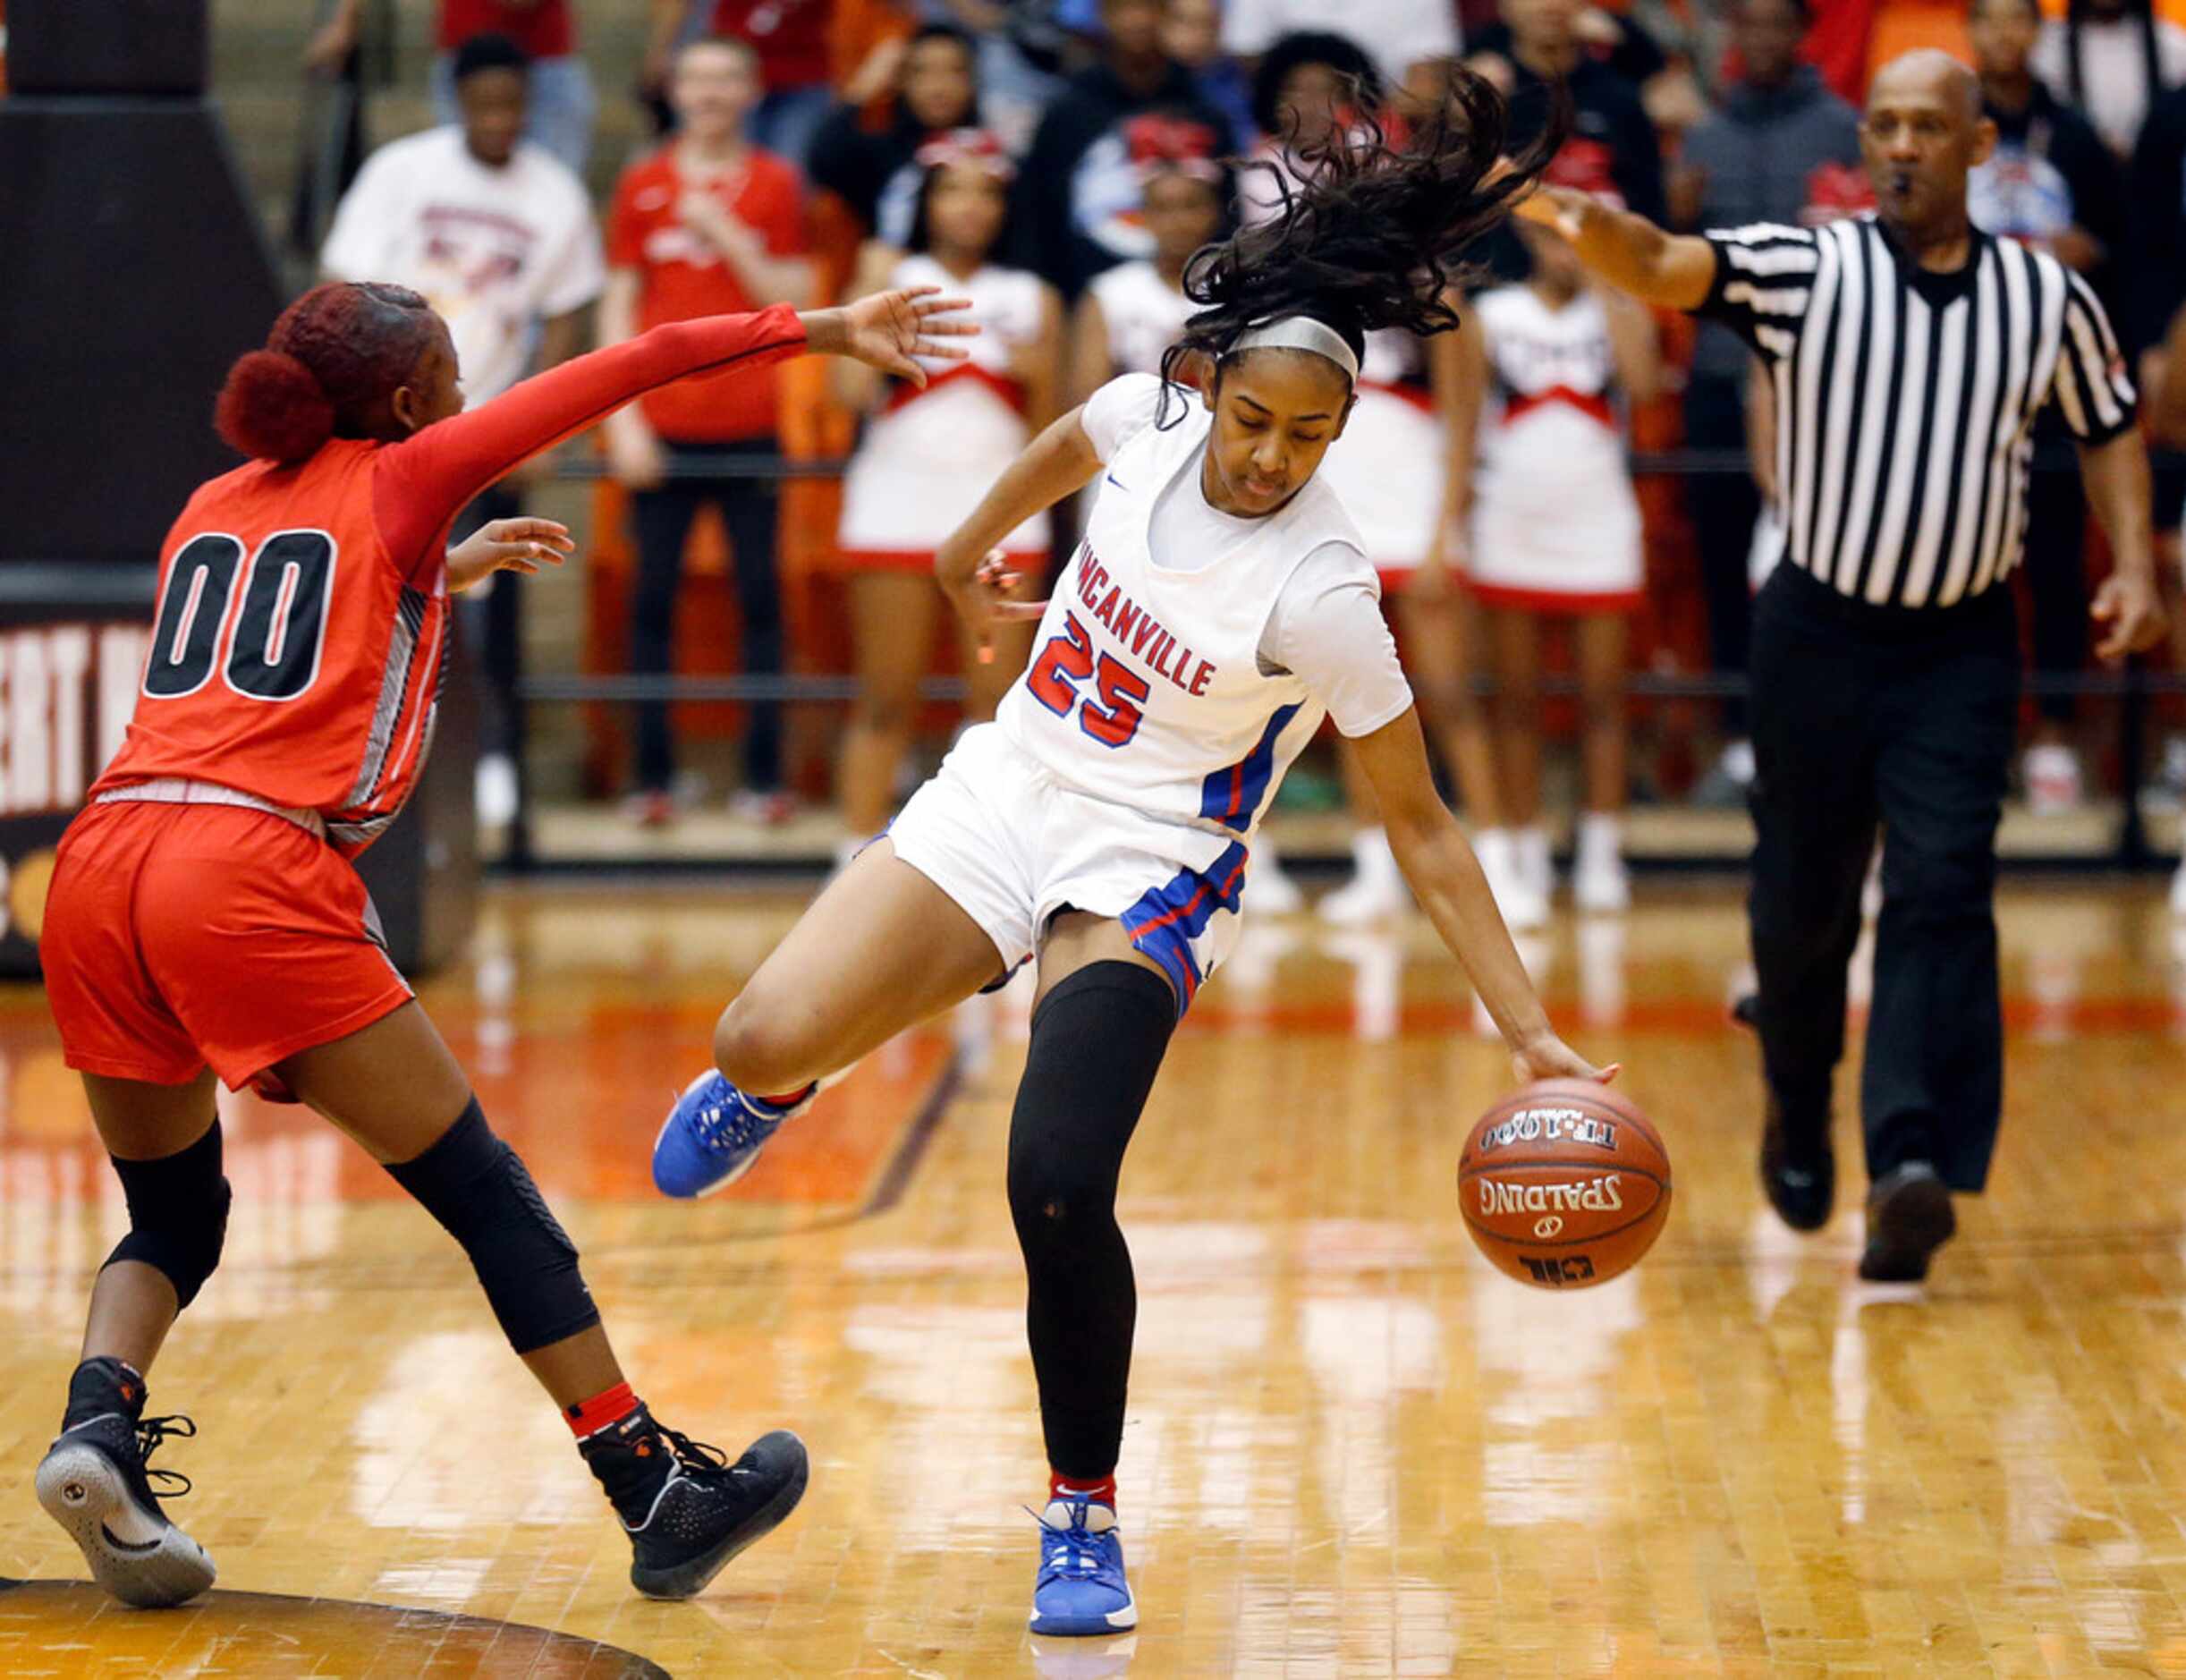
1373, 232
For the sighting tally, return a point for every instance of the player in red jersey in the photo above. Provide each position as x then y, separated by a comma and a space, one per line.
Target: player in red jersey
204, 919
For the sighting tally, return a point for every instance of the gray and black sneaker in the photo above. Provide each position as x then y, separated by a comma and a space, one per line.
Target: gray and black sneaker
687, 1510
93, 1482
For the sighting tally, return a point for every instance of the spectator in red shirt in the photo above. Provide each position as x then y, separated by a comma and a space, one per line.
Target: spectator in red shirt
708, 225
559, 117
790, 39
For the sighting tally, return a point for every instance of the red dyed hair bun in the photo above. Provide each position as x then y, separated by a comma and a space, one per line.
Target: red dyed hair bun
273, 408
329, 366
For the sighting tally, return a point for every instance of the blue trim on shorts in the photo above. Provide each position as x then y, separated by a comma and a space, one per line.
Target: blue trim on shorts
1166, 919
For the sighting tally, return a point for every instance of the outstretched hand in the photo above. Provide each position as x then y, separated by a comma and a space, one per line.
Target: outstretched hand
1559, 209
889, 328
508, 545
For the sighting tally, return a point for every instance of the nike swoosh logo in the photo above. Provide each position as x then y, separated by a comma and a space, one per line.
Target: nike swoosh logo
121, 1545
1117, 483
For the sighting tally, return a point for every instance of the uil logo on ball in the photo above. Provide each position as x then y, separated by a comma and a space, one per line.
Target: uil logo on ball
1572, 1269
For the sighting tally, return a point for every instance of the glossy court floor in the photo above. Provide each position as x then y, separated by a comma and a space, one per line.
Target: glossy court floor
1353, 1448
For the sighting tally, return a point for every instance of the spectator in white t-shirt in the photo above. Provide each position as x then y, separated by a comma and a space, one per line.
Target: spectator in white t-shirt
1410, 40
499, 236
2112, 59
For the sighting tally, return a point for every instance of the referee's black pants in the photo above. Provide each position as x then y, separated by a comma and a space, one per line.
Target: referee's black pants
1862, 715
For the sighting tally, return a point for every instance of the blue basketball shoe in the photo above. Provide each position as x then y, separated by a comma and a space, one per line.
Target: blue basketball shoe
1080, 1589
713, 1133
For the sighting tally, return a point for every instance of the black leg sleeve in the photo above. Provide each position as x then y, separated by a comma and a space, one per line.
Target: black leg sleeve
1098, 1041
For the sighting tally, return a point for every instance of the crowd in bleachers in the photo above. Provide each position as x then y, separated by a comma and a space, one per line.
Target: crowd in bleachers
1059, 159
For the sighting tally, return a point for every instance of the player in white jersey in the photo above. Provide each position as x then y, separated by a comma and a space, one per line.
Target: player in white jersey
1220, 603
926, 455
1555, 535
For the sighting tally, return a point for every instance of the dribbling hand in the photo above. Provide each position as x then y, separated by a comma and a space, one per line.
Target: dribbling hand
983, 600
508, 545
1549, 1057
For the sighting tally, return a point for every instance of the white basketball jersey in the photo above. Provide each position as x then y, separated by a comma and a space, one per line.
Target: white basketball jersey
1145, 316
1145, 686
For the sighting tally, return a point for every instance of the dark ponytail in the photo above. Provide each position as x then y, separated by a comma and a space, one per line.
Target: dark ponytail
1372, 232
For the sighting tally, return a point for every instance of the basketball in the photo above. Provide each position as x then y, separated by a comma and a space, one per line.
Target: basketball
1565, 1184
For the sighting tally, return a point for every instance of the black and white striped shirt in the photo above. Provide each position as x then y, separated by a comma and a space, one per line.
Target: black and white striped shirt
1906, 400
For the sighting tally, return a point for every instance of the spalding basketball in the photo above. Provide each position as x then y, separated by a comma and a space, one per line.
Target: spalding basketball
1565, 1184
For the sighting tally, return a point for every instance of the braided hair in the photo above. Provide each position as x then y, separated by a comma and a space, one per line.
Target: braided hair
1371, 234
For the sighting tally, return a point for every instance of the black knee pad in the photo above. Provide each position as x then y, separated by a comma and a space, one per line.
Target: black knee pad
1097, 1041
178, 1214
477, 1187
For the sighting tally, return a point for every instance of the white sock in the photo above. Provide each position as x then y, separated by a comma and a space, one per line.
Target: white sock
1370, 852
1601, 833
1532, 846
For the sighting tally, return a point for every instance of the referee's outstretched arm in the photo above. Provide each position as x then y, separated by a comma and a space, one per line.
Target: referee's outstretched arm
1674, 270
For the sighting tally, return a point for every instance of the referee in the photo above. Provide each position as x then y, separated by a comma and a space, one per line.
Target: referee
1910, 355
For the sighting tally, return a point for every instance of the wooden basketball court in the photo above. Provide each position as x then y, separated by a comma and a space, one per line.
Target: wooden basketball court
1353, 1448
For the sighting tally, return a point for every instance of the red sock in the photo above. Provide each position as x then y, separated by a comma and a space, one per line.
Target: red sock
1070, 1489
792, 1100
590, 1417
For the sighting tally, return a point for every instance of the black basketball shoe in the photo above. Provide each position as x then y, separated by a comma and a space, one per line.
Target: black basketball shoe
686, 1508
93, 1481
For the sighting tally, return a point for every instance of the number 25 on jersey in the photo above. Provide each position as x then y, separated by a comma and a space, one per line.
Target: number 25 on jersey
273, 649
1111, 713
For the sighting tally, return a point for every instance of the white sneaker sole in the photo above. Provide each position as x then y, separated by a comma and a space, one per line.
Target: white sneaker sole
1115, 1622
82, 1490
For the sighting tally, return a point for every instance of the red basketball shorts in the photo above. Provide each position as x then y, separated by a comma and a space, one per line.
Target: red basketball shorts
179, 935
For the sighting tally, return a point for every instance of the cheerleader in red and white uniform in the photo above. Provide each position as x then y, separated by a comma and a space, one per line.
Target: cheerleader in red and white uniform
929, 453
1392, 467
1554, 534
1133, 312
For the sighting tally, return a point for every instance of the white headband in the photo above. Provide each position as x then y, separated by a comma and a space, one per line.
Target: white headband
1299, 332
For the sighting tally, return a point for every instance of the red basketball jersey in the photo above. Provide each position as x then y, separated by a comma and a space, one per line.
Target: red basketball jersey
302, 626
293, 657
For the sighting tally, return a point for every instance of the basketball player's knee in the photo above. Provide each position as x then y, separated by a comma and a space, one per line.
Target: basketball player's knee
178, 1214
760, 1047
479, 1189
1054, 1197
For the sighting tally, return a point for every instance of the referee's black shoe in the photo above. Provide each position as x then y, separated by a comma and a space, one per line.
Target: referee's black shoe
687, 1510
1909, 1218
1800, 1175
